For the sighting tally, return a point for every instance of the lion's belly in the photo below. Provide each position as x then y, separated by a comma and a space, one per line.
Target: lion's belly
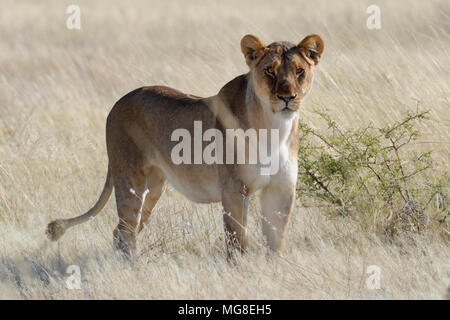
197, 183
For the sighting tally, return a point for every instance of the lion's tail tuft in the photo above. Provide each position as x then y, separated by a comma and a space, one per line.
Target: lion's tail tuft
55, 229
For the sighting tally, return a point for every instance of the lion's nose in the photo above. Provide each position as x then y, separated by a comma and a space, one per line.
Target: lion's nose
286, 99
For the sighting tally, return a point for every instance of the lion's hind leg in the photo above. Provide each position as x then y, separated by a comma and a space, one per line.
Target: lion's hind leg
131, 192
156, 182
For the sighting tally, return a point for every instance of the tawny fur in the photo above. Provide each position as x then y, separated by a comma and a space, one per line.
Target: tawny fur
138, 138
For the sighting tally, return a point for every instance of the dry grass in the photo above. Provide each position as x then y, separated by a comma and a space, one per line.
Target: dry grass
57, 86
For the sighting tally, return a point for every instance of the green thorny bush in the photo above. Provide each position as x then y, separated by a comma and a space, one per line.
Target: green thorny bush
370, 174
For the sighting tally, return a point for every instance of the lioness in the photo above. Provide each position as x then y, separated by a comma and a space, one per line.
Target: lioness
139, 144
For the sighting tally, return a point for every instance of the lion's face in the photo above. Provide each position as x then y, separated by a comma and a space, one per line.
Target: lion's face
282, 73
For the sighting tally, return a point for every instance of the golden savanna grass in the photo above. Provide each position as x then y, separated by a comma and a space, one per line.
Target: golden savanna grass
58, 85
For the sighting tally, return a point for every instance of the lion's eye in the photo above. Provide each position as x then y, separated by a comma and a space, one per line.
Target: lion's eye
269, 72
300, 72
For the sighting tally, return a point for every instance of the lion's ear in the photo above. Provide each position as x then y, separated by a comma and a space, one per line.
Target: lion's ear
252, 48
311, 48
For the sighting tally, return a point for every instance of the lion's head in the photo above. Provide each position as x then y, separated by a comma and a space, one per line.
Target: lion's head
282, 72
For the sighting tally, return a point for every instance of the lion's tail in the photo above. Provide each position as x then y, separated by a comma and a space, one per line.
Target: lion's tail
56, 229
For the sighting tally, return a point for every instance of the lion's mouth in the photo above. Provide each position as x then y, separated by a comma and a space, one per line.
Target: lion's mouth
288, 109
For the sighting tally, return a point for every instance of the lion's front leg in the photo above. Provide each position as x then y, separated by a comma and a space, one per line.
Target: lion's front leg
235, 205
277, 202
